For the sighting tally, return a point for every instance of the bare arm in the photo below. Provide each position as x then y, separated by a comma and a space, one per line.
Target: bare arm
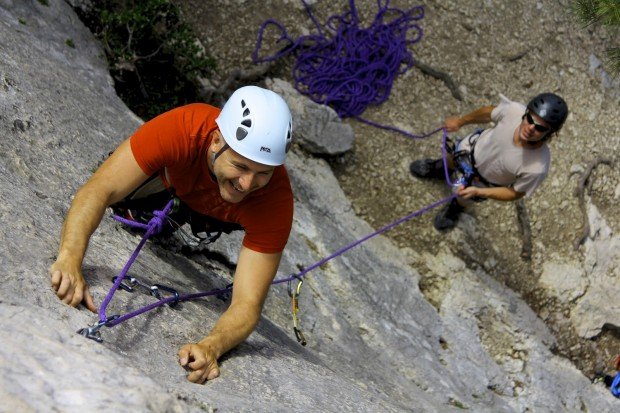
482, 115
254, 274
114, 179
500, 193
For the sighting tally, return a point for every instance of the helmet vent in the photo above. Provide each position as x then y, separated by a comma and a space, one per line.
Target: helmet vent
247, 122
242, 103
289, 138
246, 112
241, 134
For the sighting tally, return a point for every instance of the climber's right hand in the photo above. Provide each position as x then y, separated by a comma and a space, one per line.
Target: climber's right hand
69, 284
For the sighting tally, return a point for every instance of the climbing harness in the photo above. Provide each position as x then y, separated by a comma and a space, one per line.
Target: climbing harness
465, 163
204, 229
172, 297
464, 159
346, 66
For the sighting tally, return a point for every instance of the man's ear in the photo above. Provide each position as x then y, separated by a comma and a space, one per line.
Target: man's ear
216, 141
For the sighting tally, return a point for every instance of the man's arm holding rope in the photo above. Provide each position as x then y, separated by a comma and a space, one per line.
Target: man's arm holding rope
253, 276
482, 115
499, 193
116, 178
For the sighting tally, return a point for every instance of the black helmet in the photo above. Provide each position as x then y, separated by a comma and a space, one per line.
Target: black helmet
551, 108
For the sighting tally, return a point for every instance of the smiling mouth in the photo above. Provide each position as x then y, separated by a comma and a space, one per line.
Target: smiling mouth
236, 188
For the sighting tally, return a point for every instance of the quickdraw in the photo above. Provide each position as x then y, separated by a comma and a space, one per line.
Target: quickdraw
294, 294
154, 289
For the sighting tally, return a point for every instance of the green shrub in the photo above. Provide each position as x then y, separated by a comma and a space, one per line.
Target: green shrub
606, 13
153, 56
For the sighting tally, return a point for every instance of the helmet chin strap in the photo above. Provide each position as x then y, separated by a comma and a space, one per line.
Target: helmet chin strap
218, 153
214, 156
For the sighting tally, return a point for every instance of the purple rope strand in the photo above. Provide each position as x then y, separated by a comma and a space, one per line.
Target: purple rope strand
157, 221
299, 275
364, 239
163, 301
389, 226
154, 226
444, 157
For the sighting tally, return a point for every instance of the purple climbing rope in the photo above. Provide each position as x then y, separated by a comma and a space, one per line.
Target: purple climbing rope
389, 226
364, 239
156, 224
351, 67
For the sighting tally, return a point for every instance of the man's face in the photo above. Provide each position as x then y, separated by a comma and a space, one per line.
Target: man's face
237, 176
532, 128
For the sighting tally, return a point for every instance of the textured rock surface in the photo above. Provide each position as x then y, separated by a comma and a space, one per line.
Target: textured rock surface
318, 129
518, 48
375, 342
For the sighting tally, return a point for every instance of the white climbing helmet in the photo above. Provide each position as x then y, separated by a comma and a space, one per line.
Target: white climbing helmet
256, 123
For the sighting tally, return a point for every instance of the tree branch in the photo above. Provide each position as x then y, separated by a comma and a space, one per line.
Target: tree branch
437, 74
525, 229
579, 192
207, 89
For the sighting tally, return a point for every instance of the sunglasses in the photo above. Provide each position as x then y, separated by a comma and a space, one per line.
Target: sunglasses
537, 126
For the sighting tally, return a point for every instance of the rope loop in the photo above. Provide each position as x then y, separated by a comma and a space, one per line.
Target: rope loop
350, 67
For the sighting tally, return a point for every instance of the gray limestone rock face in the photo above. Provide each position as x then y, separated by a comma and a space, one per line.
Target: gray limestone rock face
317, 128
375, 342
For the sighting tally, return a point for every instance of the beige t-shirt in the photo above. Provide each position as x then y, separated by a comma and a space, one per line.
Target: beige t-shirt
503, 163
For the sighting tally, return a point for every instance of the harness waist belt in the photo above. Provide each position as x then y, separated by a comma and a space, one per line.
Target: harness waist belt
472, 139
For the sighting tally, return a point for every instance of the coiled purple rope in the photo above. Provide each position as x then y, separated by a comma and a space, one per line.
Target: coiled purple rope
354, 67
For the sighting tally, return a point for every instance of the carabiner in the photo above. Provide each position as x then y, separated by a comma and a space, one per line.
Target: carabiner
155, 292
123, 286
299, 335
92, 332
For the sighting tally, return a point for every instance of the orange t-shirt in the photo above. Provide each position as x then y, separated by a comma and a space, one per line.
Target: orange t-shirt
178, 140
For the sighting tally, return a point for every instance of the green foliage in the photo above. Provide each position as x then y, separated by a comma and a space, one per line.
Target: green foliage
603, 12
457, 403
44, 2
154, 57
613, 59
22, 21
70, 43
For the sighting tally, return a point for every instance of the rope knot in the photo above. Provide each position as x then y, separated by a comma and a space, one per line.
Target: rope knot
156, 224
